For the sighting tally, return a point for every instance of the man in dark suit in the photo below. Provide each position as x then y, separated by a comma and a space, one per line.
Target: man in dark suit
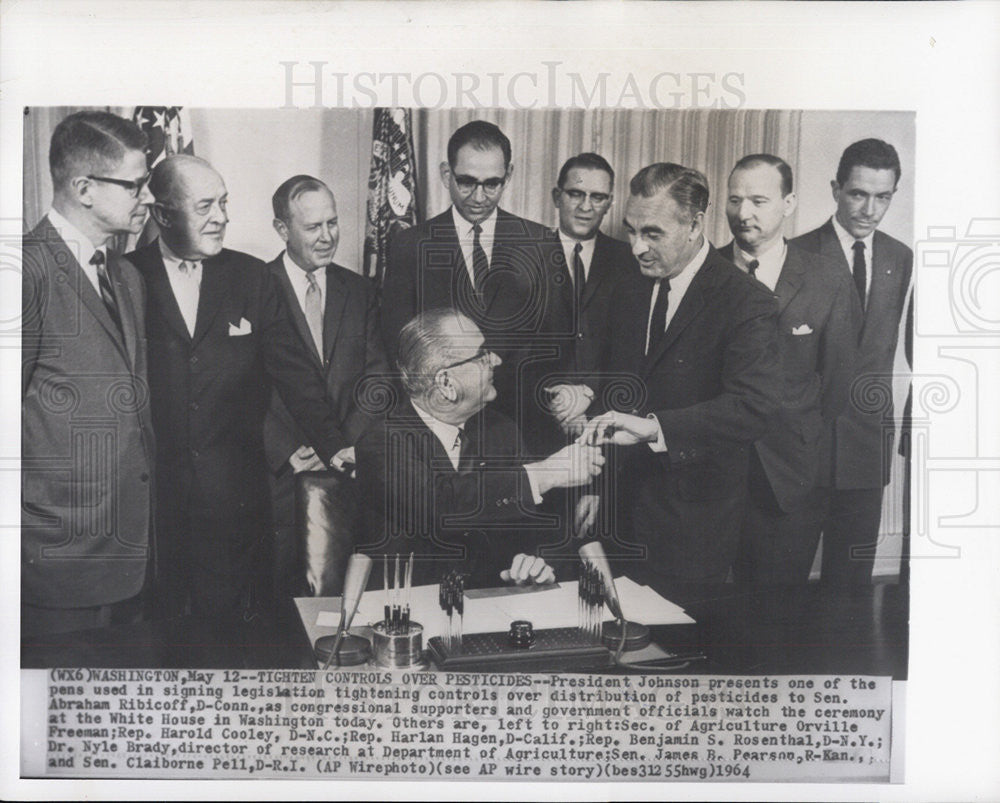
335, 314
503, 272
700, 338
86, 437
445, 478
218, 337
867, 177
818, 326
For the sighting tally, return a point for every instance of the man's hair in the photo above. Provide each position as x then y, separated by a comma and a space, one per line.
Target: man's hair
481, 136
755, 159
91, 142
290, 190
423, 344
688, 188
163, 182
873, 153
586, 161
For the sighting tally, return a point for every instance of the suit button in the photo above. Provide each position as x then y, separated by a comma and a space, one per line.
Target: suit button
194, 453
580, 335
194, 405
144, 477
194, 359
682, 455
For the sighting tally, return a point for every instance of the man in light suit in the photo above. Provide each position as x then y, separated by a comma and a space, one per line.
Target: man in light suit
819, 322
700, 338
880, 266
502, 272
219, 338
335, 314
86, 438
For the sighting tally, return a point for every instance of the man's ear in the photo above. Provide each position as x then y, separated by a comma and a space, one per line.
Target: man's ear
790, 203
445, 169
556, 194
282, 228
835, 190
444, 386
697, 224
79, 187
161, 214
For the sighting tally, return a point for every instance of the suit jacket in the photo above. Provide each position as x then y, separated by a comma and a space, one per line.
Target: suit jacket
210, 393
863, 434
475, 519
352, 351
819, 320
524, 309
86, 436
712, 382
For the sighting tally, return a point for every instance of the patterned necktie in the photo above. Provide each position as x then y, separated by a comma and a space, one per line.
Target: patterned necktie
579, 277
104, 283
314, 312
479, 262
752, 267
658, 320
858, 269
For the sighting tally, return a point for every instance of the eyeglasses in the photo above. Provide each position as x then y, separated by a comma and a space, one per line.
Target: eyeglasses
482, 355
134, 187
467, 185
578, 196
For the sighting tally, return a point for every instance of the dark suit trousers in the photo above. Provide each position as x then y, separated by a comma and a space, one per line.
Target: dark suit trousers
39, 622
778, 547
850, 536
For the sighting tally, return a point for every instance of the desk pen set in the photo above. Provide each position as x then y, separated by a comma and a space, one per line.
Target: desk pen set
397, 641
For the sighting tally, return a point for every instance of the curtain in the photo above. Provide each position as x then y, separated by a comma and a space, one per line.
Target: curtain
709, 140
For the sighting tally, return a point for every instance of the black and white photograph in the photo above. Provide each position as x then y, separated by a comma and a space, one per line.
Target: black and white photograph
451, 424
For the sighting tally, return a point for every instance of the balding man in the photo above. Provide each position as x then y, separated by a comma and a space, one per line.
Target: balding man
218, 337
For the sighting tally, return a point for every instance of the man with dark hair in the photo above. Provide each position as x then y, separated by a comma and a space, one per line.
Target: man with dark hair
444, 477
819, 321
86, 437
880, 266
499, 270
699, 337
218, 337
335, 315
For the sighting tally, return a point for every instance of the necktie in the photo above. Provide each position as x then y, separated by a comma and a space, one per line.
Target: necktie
858, 269
479, 262
579, 277
464, 445
752, 267
314, 312
104, 283
658, 321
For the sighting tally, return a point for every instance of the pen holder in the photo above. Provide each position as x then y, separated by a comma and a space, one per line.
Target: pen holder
400, 650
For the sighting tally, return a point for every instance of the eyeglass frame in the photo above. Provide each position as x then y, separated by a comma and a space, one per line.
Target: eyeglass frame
596, 198
474, 184
134, 187
481, 355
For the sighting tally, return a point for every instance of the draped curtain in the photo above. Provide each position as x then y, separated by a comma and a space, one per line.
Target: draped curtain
709, 140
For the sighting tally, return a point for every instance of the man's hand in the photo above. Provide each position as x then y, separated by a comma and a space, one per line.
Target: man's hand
567, 404
573, 465
344, 460
585, 515
621, 429
525, 570
305, 459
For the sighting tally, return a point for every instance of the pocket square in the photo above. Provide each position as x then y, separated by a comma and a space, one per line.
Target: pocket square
243, 329
802, 329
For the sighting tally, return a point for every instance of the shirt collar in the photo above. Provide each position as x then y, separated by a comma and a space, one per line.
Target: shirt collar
446, 433
680, 282
297, 274
847, 239
586, 246
464, 227
773, 257
171, 260
75, 239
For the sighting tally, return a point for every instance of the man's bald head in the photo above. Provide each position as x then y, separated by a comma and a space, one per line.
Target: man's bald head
190, 207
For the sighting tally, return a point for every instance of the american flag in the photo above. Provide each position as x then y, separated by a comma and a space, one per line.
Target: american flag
392, 199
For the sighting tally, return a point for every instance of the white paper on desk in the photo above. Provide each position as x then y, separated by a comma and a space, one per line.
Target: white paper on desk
544, 608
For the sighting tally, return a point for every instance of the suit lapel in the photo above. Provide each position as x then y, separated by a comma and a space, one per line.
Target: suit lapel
691, 306
210, 296
829, 245
333, 312
295, 311
158, 287
789, 280
599, 268
126, 309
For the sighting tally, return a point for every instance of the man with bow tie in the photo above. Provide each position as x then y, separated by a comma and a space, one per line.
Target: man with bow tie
819, 320
219, 338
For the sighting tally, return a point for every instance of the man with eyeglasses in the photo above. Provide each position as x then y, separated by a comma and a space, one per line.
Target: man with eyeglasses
219, 339
86, 436
445, 476
501, 271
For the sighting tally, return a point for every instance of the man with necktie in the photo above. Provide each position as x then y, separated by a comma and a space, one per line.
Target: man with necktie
819, 321
335, 314
219, 339
880, 268
87, 447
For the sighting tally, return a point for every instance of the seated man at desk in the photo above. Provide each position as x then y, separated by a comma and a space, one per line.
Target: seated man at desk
440, 477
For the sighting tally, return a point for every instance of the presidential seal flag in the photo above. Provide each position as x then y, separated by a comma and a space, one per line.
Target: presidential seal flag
391, 186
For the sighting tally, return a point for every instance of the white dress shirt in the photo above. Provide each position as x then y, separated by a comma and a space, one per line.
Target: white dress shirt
300, 282
586, 253
186, 284
80, 246
466, 236
769, 264
847, 241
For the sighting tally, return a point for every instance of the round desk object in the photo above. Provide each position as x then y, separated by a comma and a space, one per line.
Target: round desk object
354, 650
522, 634
398, 650
636, 636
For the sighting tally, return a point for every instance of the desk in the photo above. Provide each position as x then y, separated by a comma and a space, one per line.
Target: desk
743, 630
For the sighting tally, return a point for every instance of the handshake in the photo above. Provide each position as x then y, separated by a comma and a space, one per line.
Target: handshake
568, 405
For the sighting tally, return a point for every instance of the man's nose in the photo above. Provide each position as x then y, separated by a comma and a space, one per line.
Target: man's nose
639, 246
495, 360
869, 206
746, 210
586, 203
219, 214
145, 196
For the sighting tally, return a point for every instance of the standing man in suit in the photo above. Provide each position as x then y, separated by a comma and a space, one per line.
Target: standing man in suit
819, 320
444, 477
502, 272
218, 338
701, 337
335, 315
86, 437
880, 266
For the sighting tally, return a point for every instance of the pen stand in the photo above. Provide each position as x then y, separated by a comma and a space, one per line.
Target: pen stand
398, 650
354, 650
